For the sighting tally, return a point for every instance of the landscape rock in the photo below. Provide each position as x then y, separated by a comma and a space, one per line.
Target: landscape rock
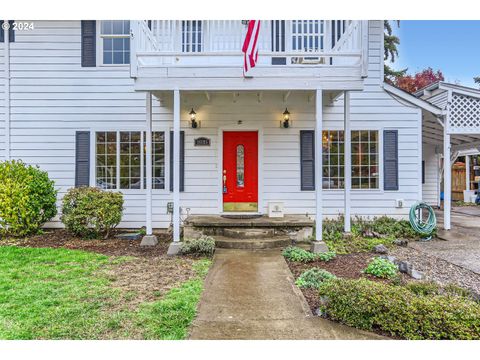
401, 242
416, 275
380, 249
404, 267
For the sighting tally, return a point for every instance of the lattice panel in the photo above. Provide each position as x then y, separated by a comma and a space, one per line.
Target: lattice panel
464, 115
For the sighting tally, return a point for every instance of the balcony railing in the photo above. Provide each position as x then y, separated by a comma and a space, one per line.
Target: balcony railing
189, 43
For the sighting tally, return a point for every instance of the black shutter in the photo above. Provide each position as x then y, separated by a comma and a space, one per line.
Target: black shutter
82, 158
307, 159
11, 32
89, 47
423, 171
182, 160
390, 159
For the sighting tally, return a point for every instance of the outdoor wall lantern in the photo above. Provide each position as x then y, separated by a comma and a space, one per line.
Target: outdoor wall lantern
193, 119
286, 119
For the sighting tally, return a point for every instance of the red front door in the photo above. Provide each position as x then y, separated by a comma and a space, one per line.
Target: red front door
240, 171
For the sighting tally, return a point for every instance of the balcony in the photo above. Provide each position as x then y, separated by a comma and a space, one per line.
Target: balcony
293, 54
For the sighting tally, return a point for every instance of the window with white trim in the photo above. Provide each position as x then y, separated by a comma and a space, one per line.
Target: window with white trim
333, 159
365, 159
129, 172
115, 42
365, 173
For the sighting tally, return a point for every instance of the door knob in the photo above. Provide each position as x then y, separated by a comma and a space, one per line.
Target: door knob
224, 181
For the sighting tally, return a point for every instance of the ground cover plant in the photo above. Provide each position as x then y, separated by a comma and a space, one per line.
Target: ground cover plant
27, 199
313, 277
381, 268
398, 311
48, 293
297, 254
365, 234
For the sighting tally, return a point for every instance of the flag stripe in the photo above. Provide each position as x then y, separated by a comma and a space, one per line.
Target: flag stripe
250, 46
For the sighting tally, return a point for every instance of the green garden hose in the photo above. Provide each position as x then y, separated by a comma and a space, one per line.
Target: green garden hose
423, 227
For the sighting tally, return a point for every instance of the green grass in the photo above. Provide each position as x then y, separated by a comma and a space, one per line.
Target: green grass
65, 294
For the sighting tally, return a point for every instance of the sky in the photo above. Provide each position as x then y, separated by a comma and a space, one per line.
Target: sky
450, 46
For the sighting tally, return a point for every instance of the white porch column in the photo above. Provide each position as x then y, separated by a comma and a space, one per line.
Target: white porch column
447, 180
149, 238
318, 245
348, 160
175, 245
467, 172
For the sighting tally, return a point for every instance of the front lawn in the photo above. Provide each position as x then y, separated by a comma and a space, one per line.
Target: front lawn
48, 293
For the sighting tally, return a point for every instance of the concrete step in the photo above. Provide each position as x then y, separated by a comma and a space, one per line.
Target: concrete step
252, 244
249, 233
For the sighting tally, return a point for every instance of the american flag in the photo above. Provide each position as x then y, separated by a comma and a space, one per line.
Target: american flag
250, 46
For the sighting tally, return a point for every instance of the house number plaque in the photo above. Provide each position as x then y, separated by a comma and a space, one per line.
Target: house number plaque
202, 141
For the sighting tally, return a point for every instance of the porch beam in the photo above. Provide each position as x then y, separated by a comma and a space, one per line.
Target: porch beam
318, 245
174, 247
149, 239
347, 161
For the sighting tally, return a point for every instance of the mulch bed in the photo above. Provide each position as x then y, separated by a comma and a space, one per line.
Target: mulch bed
349, 266
58, 238
148, 274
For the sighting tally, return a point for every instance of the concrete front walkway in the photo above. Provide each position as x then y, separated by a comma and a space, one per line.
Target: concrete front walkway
251, 295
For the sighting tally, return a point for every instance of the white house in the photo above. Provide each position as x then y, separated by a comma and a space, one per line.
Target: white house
96, 102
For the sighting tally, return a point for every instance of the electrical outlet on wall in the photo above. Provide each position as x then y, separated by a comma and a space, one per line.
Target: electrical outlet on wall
399, 203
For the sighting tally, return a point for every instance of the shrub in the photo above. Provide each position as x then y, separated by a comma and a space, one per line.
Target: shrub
326, 256
381, 268
90, 212
27, 198
204, 246
297, 254
398, 311
312, 278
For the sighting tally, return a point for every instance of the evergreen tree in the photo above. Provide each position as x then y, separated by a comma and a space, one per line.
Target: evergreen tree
391, 52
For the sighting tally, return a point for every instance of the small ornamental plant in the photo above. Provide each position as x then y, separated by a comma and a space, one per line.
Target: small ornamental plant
312, 278
204, 246
381, 268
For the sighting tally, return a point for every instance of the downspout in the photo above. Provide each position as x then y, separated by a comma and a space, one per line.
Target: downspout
7, 91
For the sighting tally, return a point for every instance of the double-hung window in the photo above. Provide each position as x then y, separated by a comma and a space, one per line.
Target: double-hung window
121, 159
115, 42
365, 159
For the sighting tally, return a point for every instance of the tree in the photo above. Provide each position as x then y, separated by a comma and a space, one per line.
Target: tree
413, 83
391, 52
477, 79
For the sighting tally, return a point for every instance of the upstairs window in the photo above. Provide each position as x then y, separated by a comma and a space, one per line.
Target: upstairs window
192, 34
115, 42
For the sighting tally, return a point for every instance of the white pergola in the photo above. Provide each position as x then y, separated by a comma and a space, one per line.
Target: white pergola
450, 119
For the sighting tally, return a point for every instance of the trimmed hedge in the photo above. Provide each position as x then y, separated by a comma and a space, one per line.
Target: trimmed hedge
89, 212
398, 311
27, 198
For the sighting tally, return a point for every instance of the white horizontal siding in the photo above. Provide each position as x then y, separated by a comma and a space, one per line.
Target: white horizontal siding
2, 102
430, 187
53, 96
